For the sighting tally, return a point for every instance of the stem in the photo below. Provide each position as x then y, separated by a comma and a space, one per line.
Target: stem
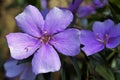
38, 4
63, 74
39, 77
77, 69
111, 55
47, 76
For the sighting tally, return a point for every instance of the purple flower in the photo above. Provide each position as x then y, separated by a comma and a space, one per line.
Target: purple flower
23, 70
82, 11
105, 34
99, 3
75, 5
43, 4
41, 36
86, 10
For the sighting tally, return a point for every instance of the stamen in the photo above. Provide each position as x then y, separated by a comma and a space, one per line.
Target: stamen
98, 38
106, 38
46, 39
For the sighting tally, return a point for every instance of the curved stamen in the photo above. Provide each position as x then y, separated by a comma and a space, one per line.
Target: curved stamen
105, 40
99, 38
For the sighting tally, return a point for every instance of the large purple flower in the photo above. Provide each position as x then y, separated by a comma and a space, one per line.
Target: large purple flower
105, 34
40, 36
23, 71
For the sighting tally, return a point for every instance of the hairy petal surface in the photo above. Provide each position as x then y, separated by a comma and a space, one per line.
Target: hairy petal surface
67, 42
21, 45
46, 60
12, 69
57, 20
30, 21
91, 45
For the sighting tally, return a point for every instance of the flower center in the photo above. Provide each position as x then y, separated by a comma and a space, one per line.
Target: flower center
106, 39
46, 39
103, 39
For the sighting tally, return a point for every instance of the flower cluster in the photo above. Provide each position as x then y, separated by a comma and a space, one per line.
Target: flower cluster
85, 10
44, 37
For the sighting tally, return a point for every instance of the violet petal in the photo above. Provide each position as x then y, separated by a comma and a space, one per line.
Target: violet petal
113, 42
102, 27
27, 74
115, 31
46, 60
57, 20
100, 3
67, 42
30, 21
21, 45
75, 5
85, 11
91, 45
12, 69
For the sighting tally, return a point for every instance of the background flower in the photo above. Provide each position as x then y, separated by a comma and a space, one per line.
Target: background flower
99, 3
23, 71
105, 34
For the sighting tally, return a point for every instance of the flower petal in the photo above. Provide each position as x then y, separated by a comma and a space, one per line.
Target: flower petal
30, 21
113, 42
27, 73
43, 4
115, 31
67, 42
12, 69
21, 45
46, 60
57, 20
75, 5
85, 11
91, 45
102, 27
45, 12
99, 3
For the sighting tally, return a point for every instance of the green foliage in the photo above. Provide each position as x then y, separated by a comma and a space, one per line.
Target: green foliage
105, 72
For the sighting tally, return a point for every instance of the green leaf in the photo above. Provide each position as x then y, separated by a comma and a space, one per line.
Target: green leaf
63, 73
104, 72
116, 2
76, 67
